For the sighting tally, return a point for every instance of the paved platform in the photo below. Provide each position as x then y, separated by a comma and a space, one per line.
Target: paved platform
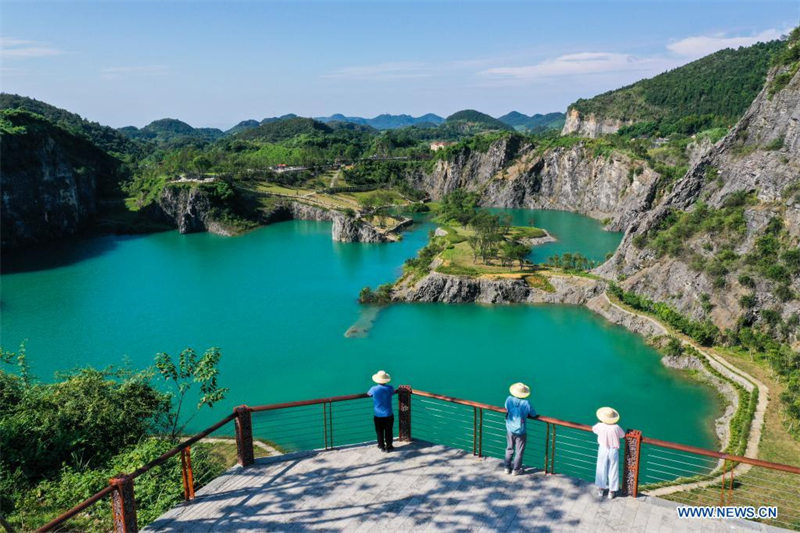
417, 487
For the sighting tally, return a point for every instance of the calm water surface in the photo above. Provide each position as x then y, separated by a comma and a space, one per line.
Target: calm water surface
279, 300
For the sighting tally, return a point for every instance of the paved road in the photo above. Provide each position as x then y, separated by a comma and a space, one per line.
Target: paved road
418, 487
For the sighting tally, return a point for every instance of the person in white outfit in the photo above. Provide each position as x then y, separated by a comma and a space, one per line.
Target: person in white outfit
608, 435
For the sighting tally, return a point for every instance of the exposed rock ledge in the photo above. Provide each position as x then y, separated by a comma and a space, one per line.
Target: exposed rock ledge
345, 228
190, 209
436, 287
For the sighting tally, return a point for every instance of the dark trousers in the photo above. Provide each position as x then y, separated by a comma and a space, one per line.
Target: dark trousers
383, 428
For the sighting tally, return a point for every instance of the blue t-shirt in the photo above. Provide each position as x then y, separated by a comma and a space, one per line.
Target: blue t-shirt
382, 399
518, 411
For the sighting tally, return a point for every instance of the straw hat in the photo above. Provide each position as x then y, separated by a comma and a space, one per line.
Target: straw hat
607, 415
520, 390
381, 377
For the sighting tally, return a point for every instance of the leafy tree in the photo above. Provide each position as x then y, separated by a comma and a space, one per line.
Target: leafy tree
188, 371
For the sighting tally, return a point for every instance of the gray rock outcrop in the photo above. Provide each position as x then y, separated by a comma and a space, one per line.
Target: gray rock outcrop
759, 156
590, 125
615, 188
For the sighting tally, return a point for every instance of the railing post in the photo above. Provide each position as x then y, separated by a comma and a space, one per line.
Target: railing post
123, 505
404, 406
244, 435
188, 475
630, 472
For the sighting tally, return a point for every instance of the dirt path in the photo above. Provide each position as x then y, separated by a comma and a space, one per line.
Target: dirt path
731, 372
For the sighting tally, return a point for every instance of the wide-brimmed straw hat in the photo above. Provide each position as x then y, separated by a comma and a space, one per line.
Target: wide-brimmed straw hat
520, 390
381, 377
607, 415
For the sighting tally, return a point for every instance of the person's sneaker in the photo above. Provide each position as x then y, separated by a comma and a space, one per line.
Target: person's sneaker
600, 493
384, 450
517, 472
611, 494
390, 448
381, 448
508, 470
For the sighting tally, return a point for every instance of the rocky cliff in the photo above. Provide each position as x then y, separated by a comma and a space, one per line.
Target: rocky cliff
345, 228
188, 208
590, 125
515, 174
738, 265
49, 180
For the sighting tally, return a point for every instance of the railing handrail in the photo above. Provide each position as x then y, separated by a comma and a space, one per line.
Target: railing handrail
721, 455
317, 401
271, 407
646, 440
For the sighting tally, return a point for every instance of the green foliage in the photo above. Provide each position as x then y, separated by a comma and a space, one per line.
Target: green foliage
489, 235
721, 85
571, 262
183, 375
458, 206
458, 270
106, 138
380, 296
673, 233
471, 116
706, 333
157, 491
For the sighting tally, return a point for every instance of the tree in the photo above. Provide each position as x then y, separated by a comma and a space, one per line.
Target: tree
190, 370
488, 236
459, 205
514, 251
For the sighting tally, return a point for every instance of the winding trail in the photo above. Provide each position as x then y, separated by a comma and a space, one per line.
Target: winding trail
729, 371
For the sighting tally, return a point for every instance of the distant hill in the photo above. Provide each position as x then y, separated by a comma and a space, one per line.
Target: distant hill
719, 86
534, 123
104, 137
243, 125
386, 121
286, 128
476, 118
172, 133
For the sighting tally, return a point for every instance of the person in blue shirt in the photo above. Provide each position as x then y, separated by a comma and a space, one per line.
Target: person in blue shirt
517, 411
382, 407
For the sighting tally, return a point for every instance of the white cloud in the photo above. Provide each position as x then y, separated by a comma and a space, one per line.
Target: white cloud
384, 71
580, 64
20, 48
112, 73
702, 45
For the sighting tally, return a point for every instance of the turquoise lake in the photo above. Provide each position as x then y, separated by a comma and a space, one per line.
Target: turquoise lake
278, 300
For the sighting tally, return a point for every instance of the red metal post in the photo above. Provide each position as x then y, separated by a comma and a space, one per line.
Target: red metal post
630, 472
547, 450
123, 505
188, 475
404, 406
244, 435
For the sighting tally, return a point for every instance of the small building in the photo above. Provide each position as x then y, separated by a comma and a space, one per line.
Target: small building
439, 145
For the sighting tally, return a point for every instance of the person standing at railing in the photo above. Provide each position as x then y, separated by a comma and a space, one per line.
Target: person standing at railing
518, 408
382, 407
608, 435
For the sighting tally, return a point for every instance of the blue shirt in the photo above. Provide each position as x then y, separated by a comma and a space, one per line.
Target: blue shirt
518, 411
382, 400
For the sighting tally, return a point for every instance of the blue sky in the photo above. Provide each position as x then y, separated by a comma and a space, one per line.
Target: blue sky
214, 64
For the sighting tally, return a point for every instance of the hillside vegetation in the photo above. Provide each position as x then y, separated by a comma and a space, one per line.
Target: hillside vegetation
718, 87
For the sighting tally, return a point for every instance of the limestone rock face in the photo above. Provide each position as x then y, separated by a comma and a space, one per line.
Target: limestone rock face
760, 155
445, 288
590, 125
49, 184
515, 175
345, 228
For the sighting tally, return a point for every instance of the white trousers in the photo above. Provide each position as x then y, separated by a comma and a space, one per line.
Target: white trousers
607, 474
